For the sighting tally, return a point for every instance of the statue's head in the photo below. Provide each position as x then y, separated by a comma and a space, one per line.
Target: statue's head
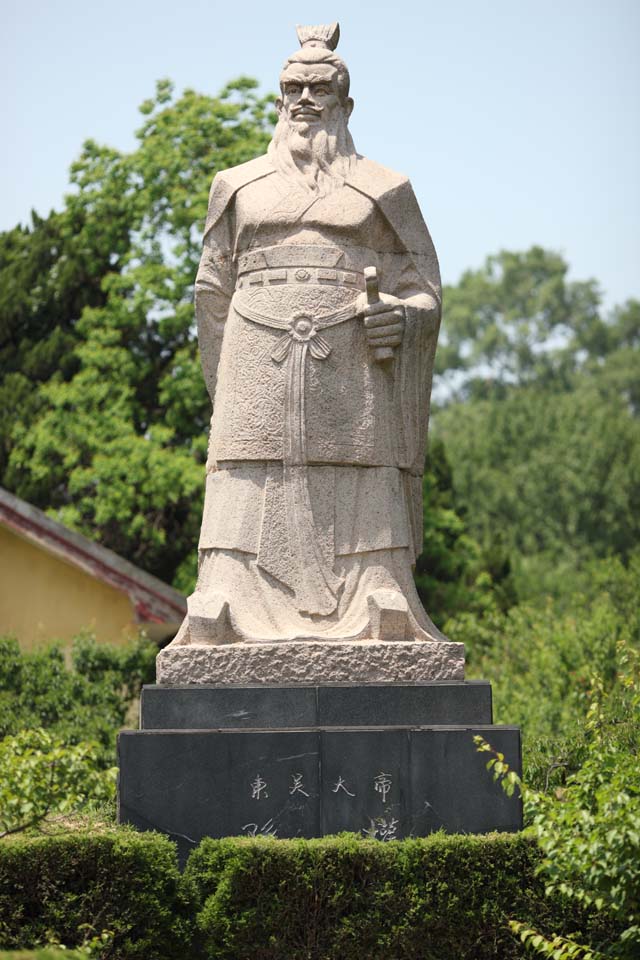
315, 77
311, 141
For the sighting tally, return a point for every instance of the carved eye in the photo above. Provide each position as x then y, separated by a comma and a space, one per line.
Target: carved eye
293, 89
321, 90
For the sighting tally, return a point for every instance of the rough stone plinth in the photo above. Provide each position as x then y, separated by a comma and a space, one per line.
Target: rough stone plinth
311, 661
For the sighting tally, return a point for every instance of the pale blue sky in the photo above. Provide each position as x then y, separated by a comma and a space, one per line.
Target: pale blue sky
518, 122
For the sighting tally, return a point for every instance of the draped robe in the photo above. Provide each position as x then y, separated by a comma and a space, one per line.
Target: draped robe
314, 473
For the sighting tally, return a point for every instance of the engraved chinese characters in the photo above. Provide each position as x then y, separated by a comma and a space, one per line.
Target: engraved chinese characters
297, 786
319, 381
383, 785
257, 787
383, 826
341, 785
382, 829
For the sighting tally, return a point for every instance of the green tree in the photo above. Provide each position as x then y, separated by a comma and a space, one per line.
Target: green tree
541, 655
116, 450
453, 574
542, 428
556, 474
518, 319
49, 272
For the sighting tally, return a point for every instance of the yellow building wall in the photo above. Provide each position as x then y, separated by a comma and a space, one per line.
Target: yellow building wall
43, 598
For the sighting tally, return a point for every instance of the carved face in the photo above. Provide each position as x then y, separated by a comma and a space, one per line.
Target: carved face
310, 95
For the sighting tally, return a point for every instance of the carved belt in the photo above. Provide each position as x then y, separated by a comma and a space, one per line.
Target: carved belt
318, 586
315, 275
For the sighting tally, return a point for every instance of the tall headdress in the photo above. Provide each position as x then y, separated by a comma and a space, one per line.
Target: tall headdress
321, 36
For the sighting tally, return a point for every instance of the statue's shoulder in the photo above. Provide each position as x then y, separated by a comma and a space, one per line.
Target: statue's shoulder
226, 184
376, 181
393, 194
236, 177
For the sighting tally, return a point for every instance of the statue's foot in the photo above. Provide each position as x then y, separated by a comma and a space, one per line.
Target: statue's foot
181, 638
208, 619
388, 615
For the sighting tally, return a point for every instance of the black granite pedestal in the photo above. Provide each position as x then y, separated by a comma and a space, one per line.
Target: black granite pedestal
385, 761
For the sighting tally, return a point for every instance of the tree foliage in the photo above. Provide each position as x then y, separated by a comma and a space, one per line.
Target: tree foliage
518, 319
558, 476
541, 655
49, 272
589, 830
453, 574
115, 443
544, 430
89, 700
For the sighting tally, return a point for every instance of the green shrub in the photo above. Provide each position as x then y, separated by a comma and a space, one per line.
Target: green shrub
591, 839
41, 778
87, 701
47, 953
67, 887
336, 898
588, 832
541, 657
126, 666
344, 898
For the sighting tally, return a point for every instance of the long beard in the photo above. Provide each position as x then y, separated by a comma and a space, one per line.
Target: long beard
319, 161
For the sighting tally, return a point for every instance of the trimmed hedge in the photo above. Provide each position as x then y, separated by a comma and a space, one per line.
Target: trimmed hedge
47, 953
339, 898
60, 886
344, 898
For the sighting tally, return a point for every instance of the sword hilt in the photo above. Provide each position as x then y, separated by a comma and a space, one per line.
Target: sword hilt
380, 354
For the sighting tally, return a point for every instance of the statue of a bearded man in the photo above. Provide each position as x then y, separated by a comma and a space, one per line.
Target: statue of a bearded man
318, 306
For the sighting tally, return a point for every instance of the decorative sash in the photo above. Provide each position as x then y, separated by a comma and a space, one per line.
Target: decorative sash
317, 585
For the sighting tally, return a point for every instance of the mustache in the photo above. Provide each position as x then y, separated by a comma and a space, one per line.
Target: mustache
305, 108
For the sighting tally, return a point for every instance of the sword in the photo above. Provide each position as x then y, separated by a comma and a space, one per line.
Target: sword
380, 354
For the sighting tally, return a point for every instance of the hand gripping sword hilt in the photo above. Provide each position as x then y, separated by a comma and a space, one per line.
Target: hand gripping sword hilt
381, 354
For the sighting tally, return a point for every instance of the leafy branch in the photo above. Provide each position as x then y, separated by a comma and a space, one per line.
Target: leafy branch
41, 777
589, 833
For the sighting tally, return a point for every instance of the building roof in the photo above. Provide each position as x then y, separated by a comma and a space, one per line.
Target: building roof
153, 600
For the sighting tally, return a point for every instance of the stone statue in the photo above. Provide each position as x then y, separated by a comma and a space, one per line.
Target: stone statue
318, 307
303, 695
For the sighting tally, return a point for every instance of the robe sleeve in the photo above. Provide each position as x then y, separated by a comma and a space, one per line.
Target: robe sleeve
415, 358
414, 277
215, 283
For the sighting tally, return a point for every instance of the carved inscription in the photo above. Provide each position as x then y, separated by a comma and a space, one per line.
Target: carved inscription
340, 784
297, 785
381, 829
258, 787
382, 784
267, 829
